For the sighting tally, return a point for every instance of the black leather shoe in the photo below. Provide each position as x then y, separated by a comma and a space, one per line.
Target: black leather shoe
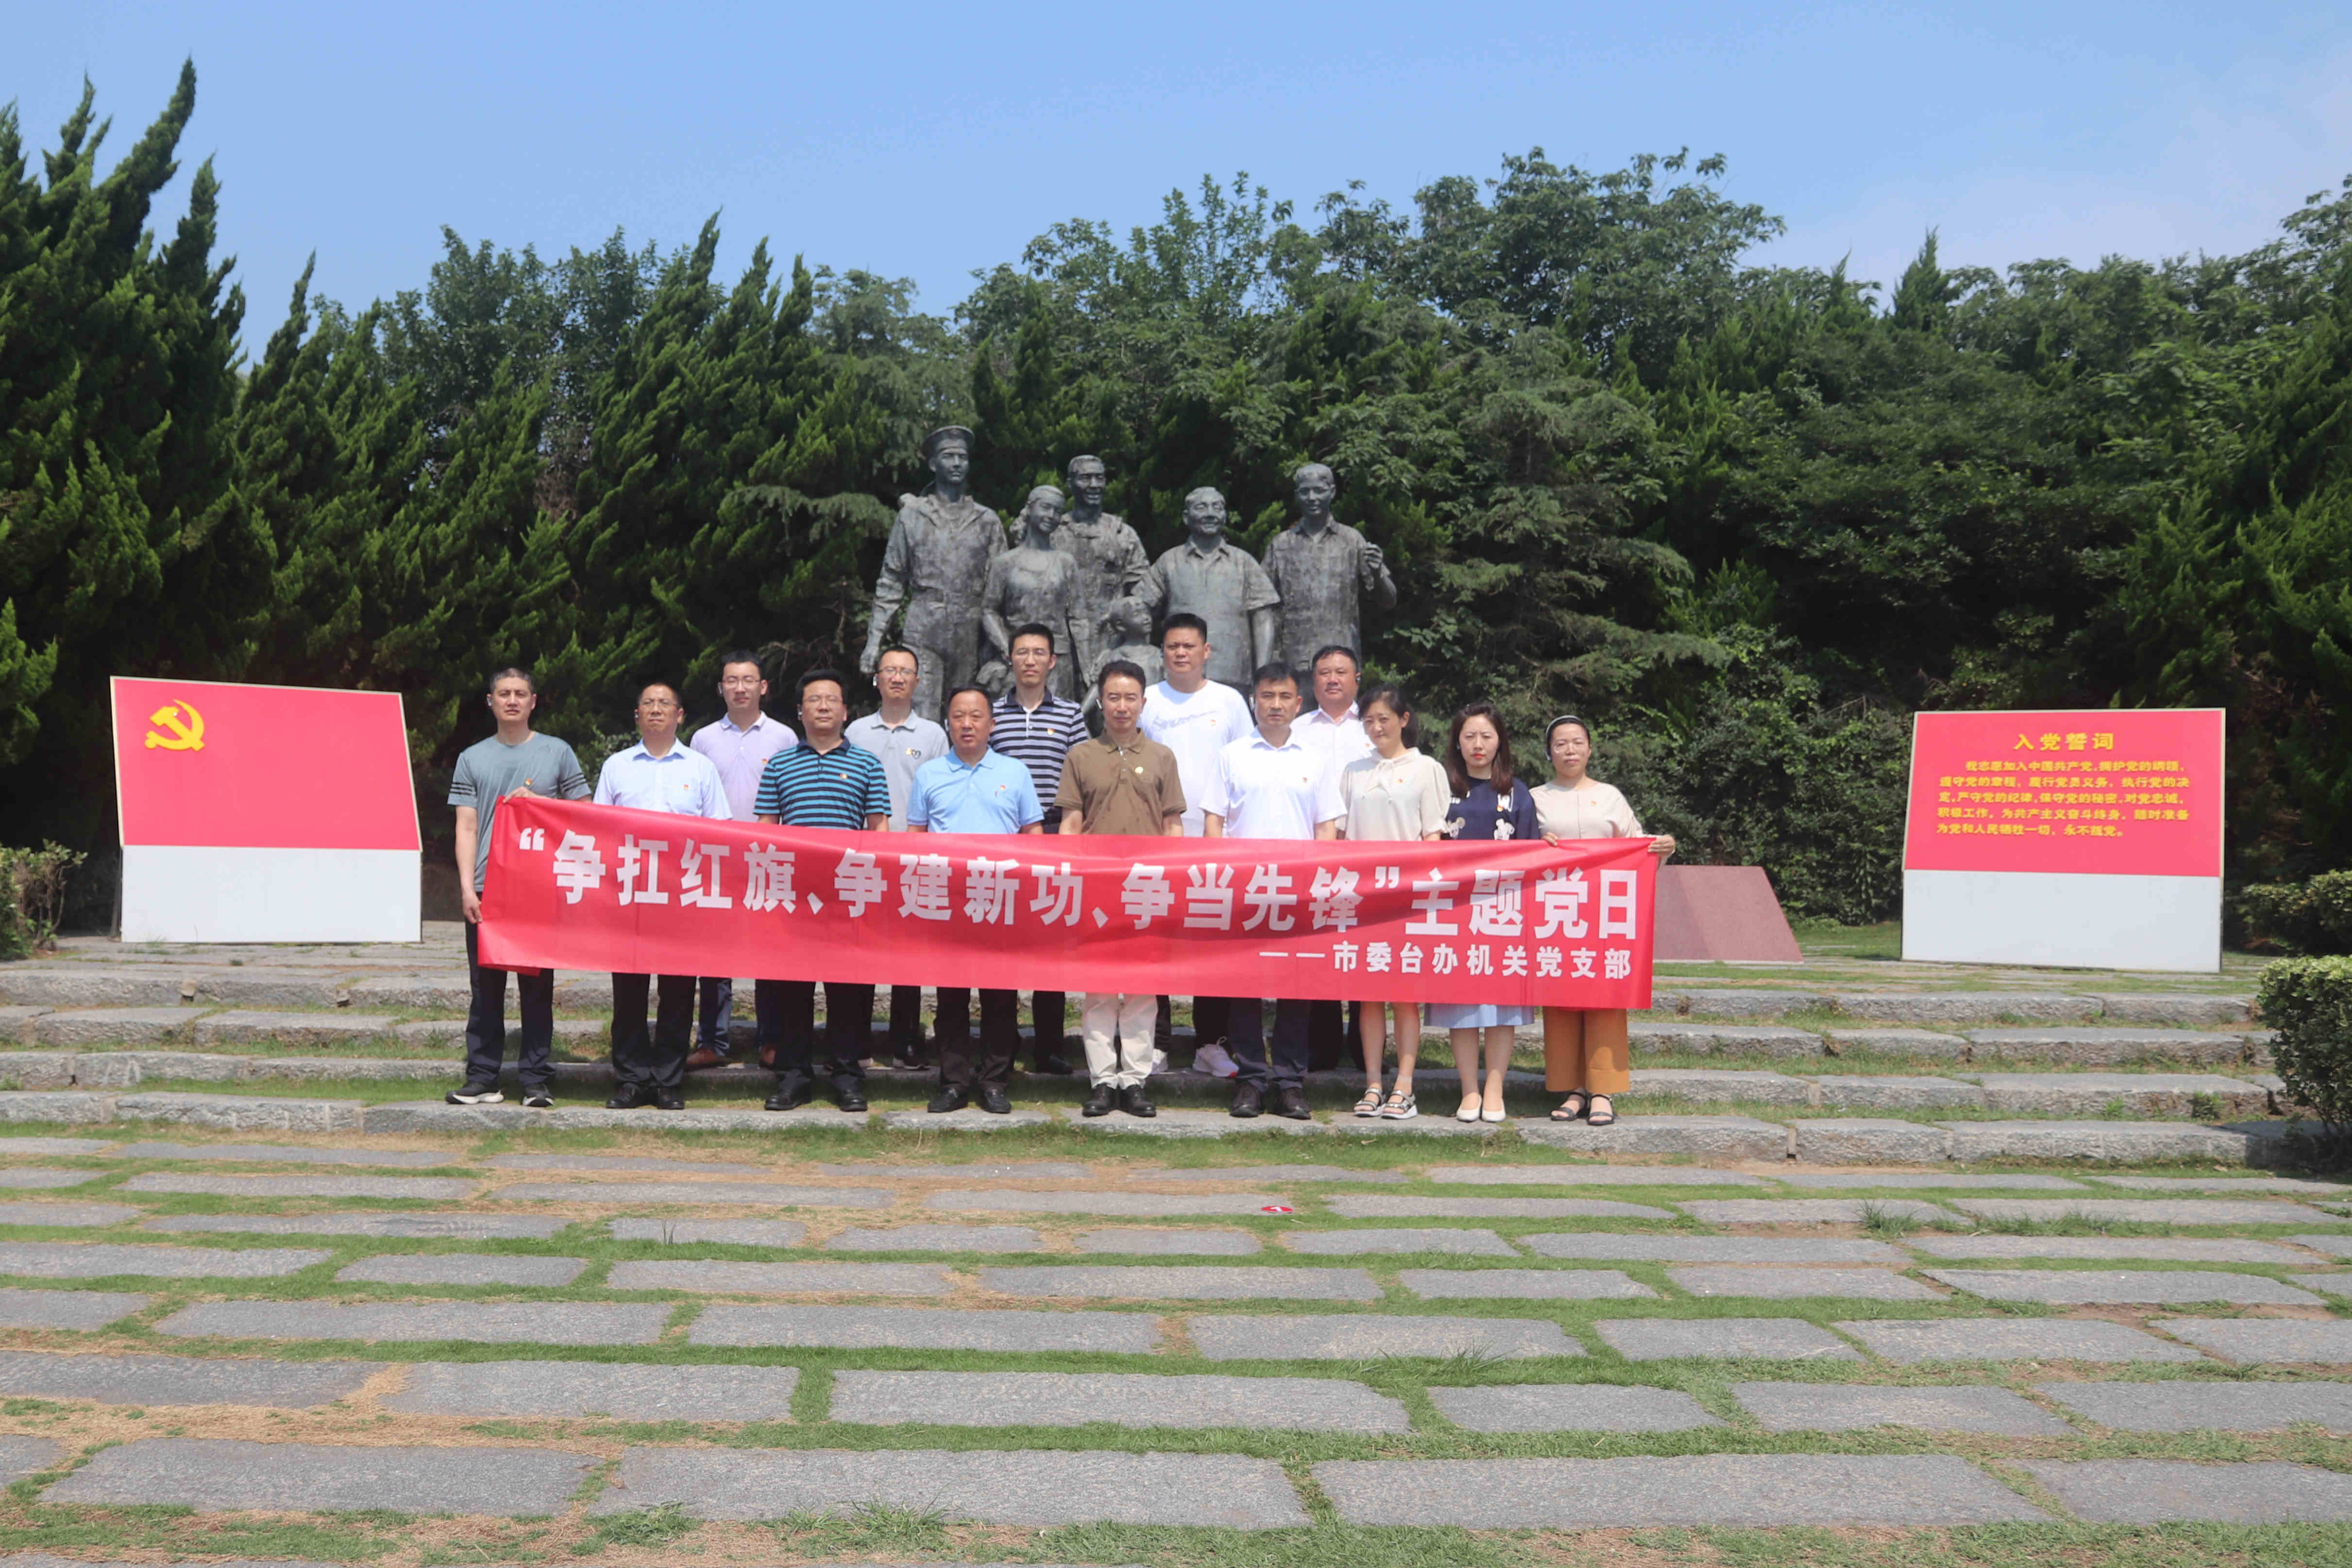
789, 1098
995, 1100
1056, 1065
628, 1098
1100, 1101
852, 1101
669, 1102
1133, 1100
1291, 1101
952, 1097
1248, 1100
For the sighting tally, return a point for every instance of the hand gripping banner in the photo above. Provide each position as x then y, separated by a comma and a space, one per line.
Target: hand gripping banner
600, 888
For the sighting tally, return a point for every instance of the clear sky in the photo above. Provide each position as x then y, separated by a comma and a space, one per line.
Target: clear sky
926, 141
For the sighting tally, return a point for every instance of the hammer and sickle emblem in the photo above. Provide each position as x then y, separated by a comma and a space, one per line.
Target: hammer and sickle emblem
185, 737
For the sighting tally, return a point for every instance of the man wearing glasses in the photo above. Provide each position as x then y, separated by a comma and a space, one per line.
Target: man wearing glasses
656, 775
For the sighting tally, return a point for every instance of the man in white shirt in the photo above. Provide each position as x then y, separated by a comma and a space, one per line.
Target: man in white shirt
1270, 785
904, 741
656, 775
1195, 718
739, 745
1334, 727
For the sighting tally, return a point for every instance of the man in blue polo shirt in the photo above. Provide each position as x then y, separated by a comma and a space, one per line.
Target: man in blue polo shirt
974, 790
823, 782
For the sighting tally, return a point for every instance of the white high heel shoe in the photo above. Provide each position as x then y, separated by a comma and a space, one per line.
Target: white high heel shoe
1470, 1110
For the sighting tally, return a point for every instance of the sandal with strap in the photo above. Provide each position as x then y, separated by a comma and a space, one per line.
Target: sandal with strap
1400, 1107
1572, 1107
1370, 1104
1603, 1112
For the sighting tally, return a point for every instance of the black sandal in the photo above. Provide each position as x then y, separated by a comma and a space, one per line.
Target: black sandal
1564, 1114
1600, 1117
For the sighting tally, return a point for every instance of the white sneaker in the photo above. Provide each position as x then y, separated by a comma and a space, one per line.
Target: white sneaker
1212, 1059
1159, 1060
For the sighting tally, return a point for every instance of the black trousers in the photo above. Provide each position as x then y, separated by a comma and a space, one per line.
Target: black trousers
1048, 1017
987, 1063
906, 1019
1246, 1039
486, 1022
1332, 1038
656, 1061
1212, 1019
848, 1027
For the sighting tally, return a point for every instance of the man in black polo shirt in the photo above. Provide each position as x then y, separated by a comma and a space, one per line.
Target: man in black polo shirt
823, 782
1037, 729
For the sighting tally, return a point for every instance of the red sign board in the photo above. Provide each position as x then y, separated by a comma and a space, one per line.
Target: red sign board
201, 763
2119, 791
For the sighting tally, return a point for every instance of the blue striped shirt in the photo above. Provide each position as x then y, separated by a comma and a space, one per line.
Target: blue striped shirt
808, 788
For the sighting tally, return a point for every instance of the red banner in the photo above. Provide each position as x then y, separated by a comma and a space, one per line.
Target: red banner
600, 888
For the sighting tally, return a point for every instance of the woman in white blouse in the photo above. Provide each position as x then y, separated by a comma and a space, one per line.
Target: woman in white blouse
1397, 793
1586, 1052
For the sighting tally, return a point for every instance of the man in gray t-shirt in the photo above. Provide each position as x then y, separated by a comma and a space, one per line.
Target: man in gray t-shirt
515, 760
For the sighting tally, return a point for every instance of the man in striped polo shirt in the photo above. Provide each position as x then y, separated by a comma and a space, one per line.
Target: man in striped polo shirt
1037, 729
823, 782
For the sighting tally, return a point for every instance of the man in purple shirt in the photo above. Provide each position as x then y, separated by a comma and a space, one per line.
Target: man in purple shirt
739, 745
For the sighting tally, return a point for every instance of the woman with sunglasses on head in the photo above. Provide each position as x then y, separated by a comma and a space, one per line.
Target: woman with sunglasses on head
1586, 1052
1397, 793
1488, 805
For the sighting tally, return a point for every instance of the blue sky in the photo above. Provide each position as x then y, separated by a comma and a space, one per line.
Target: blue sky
925, 140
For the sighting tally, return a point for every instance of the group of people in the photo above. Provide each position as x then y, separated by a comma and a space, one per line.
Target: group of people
1182, 756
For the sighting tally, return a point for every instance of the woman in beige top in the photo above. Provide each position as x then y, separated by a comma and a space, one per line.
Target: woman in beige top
1396, 793
1586, 1051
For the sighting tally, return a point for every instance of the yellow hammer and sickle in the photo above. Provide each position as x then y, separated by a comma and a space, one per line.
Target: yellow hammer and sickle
189, 737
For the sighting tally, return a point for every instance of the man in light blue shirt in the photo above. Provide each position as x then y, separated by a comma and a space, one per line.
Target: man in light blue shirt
974, 790
656, 775
739, 745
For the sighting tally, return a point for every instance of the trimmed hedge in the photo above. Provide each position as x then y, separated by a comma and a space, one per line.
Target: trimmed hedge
2309, 1002
2310, 917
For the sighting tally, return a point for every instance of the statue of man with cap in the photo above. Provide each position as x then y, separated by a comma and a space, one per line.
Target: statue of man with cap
935, 565
1110, 559
1324, 570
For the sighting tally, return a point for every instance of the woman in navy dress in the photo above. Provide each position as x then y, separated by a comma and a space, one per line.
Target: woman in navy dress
1488, 805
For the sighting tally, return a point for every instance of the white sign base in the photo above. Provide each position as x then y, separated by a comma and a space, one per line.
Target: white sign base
2063, 920
173, 893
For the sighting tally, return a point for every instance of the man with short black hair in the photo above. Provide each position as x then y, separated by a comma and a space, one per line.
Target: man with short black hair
1037, 729
656, 775
517, 760
1269, 786
904, 740
1335, 728
739, 745
823, 782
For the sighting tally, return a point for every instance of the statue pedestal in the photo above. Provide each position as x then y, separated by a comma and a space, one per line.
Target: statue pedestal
1727, 914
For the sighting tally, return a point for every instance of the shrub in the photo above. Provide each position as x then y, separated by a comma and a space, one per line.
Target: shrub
2309, 1002
2309, 917
33, 886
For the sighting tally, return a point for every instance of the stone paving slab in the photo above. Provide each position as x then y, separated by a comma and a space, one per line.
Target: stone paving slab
2122, 1286
2328, 1284
2323, 1191
1570, 1407
1757, 1339
1812, 1211
183, 1380
49, 1147
1908, 1180
477, 1322
972, 1118
2146, 1211
1033, 1486
1266, 1173
21, 1457
68, 1214
1709, 1248
2338, 1244
625, 1163
1856, 1284
1857, 1407
291, 1154
1867, 1140
213, 1476
2143, 1094
97, 1260
301, 1186
941, 1238
83, 1310
1590, 1176
1710, 1137
31, 1179
922, 1328
404, 1226
1011, 1200
2159, 1491
2150, 1248
777, 1194
1751, 1489
1122, 1399
1208, 1282
1022, 1171
1361, 1336
1523, 1284
2013, 1339
2112, 1142
1185, 1121
464, 1268
2182, 1406
2327, 1341
783, 1278
1403, 1205
1135, 1240
727, 1231
1468, 1243
558, 1390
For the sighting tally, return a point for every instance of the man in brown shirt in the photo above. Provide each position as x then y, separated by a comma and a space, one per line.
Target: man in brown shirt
1120, 781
